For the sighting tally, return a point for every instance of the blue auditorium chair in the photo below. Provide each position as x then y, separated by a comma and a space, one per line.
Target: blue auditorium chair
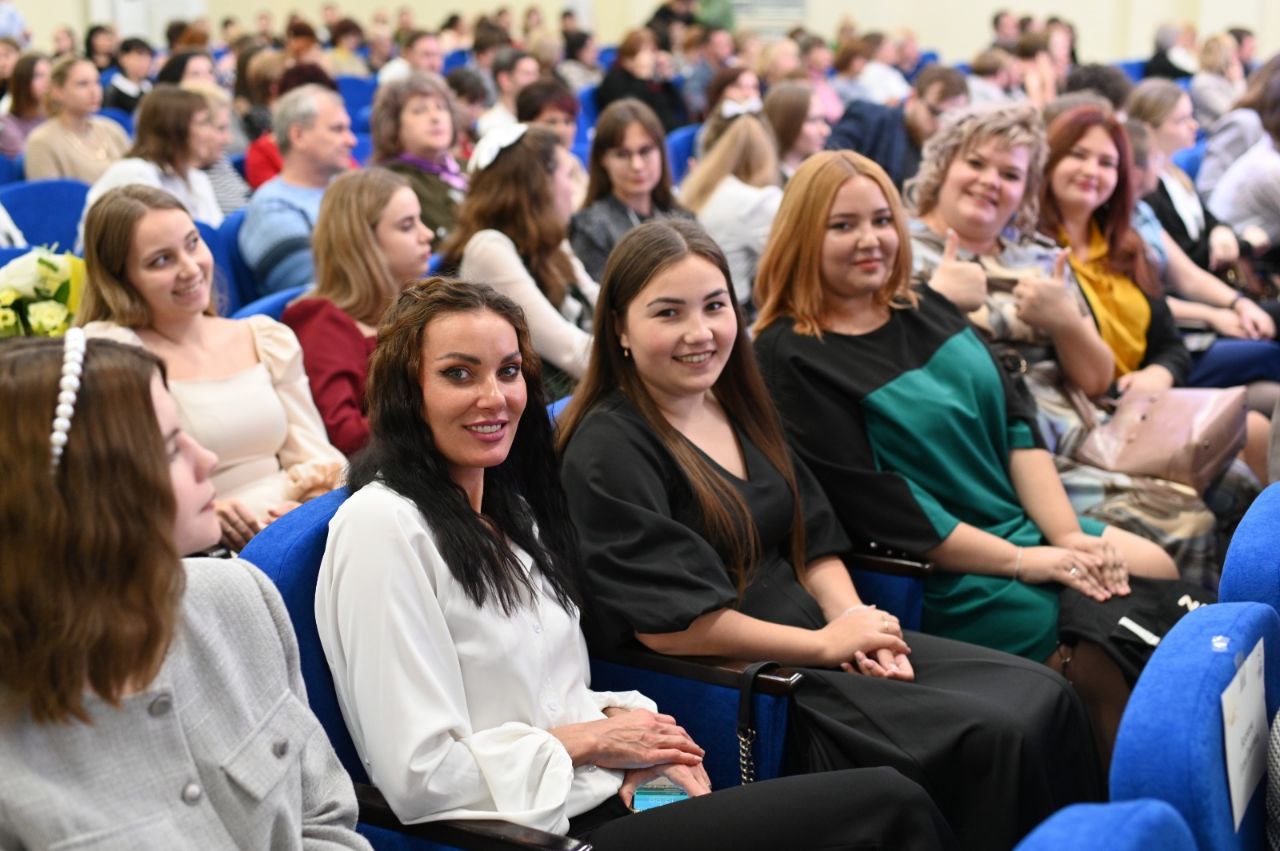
119, 116
588, 113
357, 92
1134, 69
360, 120
456, 59
1189, 159
680, 143
10, 170
363, 149
272, 305
1141, 825
1252, 569
1170, 744
606, 56
46, 211
288, 552
242, 287
7, 254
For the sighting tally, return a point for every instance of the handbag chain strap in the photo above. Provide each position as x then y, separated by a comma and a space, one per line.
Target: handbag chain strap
746, 727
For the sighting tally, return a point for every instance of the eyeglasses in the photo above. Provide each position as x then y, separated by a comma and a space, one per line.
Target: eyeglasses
625, 155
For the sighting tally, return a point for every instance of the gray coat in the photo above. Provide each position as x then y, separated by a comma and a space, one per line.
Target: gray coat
219, 751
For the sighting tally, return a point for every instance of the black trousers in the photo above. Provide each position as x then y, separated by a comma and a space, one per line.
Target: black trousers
865, 808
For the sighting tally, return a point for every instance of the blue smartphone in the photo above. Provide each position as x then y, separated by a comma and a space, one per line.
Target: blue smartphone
657, 793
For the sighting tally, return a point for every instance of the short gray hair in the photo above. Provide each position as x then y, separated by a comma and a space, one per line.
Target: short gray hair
297, 108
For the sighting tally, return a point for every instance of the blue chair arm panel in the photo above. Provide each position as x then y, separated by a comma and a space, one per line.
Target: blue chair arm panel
1170, 742
270, 305
1140, 825
1252, 569
902, 596
703, 697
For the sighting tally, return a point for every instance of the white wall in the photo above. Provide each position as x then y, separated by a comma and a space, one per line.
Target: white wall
1109, 29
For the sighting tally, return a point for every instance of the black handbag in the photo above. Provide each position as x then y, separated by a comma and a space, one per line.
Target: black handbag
1129, 628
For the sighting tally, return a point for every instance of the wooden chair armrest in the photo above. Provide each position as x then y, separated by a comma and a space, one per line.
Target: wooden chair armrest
471, 834
714, 670
881, 559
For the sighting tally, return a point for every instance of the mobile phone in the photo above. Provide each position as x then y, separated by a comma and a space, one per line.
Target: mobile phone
657, 793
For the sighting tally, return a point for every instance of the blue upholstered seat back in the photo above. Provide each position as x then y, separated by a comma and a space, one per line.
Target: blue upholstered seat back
1252, 569
1170, 744
1141, 825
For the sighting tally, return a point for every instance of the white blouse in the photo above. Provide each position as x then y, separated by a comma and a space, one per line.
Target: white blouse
449, 704
490, 257
1186, 202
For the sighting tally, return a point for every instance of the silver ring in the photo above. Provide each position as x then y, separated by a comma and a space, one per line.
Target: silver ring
886, 625
1073, 571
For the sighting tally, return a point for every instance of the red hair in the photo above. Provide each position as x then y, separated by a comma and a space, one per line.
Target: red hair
1126, 254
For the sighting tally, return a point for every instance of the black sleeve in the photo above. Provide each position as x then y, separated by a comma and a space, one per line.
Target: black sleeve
823, 533
1020, 403
825, 427
643, 570
1164, 343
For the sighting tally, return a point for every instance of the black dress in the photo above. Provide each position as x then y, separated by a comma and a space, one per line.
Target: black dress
997, 741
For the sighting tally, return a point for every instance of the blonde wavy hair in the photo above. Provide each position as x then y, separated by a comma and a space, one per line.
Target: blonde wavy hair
746, 151
1012, 125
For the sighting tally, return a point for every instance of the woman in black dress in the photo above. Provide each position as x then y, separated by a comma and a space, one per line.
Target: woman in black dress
702, 534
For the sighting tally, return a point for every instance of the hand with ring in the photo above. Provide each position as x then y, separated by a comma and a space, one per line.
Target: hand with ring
866, 640
1079, 570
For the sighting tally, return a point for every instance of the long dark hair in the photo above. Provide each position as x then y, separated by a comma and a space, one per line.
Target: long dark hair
521, 493
639, 256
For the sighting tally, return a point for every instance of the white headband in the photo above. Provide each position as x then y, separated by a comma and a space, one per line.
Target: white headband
68, 386
493, 143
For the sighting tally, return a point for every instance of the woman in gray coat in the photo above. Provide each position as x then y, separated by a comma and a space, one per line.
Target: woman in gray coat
145, 701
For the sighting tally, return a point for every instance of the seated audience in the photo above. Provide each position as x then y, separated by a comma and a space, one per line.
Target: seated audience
1171, 59
175, 139
26, 111
851, 57
815, 60
1106, 81
239, 384
1005, 30
702, 534
779, 60
118, 653
1237, 131
421, 52
512, 70
980, 180
796, 119
974, 491
716, 56
469, 95
893, 136
549, 103
261, 74
1087, 207
1248, 193
993, 77
734, 191
229, 187
515, 242
302, 45
1166, 109
133, 80
630, 182
635, 75
343, 58
448, 608
413, 135
313, 133
74, 143
1037, 74
100, 42
187, 66
370, 243
732, 91
581, 67
1220, 81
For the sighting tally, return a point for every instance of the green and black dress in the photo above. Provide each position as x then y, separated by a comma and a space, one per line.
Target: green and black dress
909, 428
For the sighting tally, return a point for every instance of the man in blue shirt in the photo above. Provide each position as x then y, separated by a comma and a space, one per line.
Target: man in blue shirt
313, 131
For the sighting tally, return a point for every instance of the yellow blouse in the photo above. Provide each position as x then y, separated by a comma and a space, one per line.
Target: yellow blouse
1119, 306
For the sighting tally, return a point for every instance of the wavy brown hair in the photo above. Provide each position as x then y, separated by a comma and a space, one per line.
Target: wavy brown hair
164, 127
641, 255
351, 271
90, 579
786, 108
108, 236
789, 277
506, 196
610, 129
1126, 254
25, 104
389, 104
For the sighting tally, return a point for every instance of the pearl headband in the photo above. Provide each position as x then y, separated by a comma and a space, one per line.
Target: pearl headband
68, 387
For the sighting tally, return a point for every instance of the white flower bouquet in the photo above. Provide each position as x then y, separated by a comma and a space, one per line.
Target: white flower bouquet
39, 293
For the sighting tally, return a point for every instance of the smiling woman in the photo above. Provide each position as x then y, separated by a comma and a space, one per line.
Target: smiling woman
239, 384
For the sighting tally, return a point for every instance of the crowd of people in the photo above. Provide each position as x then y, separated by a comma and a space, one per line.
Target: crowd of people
884, 307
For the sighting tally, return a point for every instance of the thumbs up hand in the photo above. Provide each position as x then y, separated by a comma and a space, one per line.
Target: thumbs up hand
962, 282
1046, 303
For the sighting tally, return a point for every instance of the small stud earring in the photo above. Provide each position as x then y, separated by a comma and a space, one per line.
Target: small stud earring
626, 353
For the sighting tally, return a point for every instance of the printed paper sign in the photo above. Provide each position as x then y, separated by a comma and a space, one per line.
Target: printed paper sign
1244, 728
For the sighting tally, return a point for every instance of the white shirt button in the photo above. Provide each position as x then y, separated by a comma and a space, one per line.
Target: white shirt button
191, 794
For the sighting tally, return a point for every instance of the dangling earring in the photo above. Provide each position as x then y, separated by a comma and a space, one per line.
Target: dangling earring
626, 353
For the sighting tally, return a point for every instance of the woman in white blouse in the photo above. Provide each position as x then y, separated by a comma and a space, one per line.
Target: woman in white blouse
458, 662
239, 384
511, 233
176, 138
734, 192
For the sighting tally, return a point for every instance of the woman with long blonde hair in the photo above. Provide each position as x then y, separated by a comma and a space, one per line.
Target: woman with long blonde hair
734, 192
369, 244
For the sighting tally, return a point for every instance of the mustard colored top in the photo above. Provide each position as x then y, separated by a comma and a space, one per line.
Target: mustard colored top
1119, 306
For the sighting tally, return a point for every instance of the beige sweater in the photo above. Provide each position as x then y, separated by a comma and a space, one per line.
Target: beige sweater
54, 151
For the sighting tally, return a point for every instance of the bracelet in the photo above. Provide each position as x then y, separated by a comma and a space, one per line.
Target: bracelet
1235, 301
1017, 565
